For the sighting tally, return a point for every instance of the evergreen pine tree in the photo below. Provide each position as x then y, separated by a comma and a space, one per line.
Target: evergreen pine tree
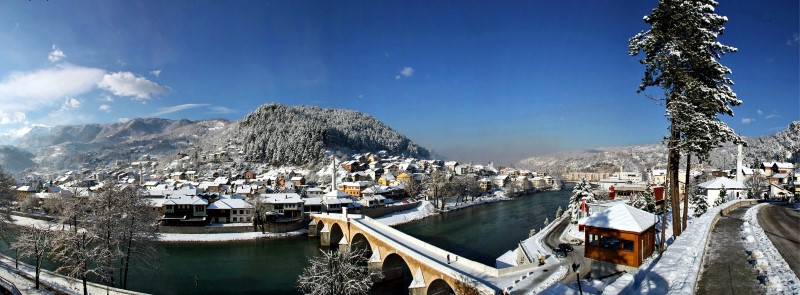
681, 57
722, 198
699, 202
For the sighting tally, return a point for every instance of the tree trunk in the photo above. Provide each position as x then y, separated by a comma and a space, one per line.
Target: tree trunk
686, 192
127, 262
38, 269
673, 161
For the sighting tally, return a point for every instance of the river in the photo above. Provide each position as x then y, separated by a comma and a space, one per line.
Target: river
480, 233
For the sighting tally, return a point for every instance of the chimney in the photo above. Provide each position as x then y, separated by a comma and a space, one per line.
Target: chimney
739, 160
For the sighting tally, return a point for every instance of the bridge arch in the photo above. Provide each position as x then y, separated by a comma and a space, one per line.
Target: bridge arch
318, 228
440, 287
395, 268
360, 242
336, 234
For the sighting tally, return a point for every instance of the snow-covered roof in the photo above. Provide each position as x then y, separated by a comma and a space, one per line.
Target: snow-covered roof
285, 198
622, 217
720, 182
336, 194
312, 201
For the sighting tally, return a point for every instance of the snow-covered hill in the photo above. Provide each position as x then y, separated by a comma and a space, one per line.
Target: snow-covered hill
783, 146
273, 134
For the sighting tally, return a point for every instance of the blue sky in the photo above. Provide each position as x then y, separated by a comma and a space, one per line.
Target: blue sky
479, 81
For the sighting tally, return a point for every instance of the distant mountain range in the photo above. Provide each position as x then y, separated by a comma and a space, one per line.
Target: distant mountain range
783, 146
272, 134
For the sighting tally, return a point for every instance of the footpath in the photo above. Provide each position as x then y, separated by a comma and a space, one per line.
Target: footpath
726, 270
50, 283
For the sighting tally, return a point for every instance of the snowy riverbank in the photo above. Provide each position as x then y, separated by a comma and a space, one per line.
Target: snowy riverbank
425, 209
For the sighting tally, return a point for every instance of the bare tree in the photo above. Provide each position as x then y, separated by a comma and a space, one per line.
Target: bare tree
34, 242
138, 235
466, 286
7, 198
335, 273
78, 252
757, 184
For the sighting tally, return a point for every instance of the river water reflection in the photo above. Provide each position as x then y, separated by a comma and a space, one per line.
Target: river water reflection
481, 233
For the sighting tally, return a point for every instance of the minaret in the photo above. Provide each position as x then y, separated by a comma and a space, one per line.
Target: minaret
739, 160
333, 167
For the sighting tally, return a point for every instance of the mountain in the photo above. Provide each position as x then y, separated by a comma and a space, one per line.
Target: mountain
14, 160
783, 146
273, 134
278, 134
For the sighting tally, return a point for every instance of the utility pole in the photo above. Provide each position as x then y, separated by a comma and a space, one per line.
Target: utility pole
576, 268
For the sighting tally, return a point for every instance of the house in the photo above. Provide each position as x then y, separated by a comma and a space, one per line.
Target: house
461, 169
314, 192
386, 179
286, 205
403, 177
354, 188
229, 209
619, 236
500, 180
771, 168
372, 201
184, 210
298, 180
734, 190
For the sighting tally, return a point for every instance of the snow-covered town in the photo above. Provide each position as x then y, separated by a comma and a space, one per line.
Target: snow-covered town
400, 147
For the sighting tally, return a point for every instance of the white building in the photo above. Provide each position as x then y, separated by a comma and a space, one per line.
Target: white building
734, 190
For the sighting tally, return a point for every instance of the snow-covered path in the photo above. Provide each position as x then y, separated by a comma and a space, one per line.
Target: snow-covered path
23, 280
770, 264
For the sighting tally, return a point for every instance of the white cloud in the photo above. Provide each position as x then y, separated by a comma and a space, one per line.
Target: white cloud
128, 84
178, 108
748, 120
104, 107
25, 91
759, 112
155, 72
123, 120
106, 98
772, 116
220, 110
405, 72
11, 118
71, 103
21, 131
56, 54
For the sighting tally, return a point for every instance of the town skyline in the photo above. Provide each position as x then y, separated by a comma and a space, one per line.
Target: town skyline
479, 81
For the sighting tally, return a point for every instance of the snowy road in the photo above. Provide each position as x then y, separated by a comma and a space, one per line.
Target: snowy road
726, 270
782, 226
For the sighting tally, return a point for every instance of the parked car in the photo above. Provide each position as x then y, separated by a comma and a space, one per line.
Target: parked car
560, 252
565, 247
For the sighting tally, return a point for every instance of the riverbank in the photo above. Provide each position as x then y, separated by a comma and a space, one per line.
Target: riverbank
423, 210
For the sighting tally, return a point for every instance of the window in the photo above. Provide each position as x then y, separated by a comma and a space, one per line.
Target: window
610, 243
627, 245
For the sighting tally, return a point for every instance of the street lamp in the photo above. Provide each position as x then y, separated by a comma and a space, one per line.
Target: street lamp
576, 268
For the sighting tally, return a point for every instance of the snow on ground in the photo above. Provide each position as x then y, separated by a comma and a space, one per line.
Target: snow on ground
23, 280
224, 237
773, 269
677, 270
424, 209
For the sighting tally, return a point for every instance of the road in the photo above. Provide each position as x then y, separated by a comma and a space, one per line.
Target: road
781, 223
725, 269
554, 238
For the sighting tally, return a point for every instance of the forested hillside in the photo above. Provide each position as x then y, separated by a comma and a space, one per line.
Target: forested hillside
279, 134
273, 134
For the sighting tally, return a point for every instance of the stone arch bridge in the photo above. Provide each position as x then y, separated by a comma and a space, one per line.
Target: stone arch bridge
395, 254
